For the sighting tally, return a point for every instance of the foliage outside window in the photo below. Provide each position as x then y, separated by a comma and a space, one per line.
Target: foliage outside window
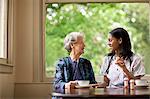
95, 20
3, 29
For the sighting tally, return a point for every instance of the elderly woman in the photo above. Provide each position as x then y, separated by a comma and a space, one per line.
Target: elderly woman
72, 68
121, 62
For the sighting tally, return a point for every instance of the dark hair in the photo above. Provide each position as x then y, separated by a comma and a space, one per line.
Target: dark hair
125, 45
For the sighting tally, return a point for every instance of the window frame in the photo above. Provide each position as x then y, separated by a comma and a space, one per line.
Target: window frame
6, 64
3, 60
46, 2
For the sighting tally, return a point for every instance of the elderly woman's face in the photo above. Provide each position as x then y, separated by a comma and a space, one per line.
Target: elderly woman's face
78, 47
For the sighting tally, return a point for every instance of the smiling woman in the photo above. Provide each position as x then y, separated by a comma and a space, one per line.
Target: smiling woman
73, 67
95, 20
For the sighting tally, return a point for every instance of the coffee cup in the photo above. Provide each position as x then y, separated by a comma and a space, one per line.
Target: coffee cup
83, 82
141, 82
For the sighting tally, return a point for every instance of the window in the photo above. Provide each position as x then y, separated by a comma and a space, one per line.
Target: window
3, 29
95, 20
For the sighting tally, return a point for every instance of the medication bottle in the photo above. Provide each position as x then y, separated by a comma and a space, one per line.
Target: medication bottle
126, 83
132, 84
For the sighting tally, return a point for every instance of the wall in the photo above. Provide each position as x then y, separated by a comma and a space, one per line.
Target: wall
24, 40
28, 81
32, 91
6, 85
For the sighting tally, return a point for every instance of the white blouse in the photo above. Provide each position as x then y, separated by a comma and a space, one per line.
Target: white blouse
116, 74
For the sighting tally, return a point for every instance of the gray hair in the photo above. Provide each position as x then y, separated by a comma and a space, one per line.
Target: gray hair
71, 38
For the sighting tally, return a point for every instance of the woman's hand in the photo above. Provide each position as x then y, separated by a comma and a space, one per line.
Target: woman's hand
70, 85
101, 85
120, 62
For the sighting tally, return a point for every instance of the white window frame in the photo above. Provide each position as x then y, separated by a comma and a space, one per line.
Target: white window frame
45, 2
6, 64
3, 35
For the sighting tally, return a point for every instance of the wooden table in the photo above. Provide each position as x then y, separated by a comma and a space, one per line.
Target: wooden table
105, 93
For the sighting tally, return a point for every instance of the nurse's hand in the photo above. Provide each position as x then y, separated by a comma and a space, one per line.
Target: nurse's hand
120, 62
102, 85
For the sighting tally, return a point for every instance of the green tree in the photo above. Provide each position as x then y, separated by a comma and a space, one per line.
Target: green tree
95, 20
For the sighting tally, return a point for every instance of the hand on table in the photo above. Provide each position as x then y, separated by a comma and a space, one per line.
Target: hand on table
70, 85
101, 85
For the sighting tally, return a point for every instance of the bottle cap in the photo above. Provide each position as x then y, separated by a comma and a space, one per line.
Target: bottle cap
132, 80
126, 79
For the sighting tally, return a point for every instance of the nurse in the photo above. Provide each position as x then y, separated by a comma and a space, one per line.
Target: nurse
121, 62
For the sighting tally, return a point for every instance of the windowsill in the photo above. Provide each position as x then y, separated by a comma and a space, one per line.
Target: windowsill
6, 64
6, 68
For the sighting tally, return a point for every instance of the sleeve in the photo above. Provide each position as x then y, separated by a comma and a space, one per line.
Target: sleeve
138, 66
59, 83
104, 66
91, 72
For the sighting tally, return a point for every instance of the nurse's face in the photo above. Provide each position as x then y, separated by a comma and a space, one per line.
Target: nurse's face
113, 43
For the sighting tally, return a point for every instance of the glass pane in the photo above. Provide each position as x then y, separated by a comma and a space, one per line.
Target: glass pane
3, 28
95, 20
